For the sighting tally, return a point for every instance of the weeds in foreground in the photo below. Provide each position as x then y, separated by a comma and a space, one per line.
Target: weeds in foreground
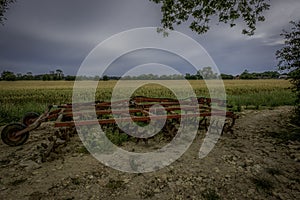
115, 184
210, 194
75, 181
18, 181
263, 184
286, 135
83, 150
273, 171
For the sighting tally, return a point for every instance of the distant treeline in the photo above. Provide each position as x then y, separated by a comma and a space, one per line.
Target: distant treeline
206, 72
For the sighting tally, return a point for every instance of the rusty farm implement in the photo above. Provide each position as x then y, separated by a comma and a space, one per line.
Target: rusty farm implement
15, 134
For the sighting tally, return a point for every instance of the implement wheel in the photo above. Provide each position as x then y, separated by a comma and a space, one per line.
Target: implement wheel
8, 134
29, 118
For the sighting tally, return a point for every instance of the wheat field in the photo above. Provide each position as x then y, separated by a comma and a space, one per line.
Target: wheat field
19, 97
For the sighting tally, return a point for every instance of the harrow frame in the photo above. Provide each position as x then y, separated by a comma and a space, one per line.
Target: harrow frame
139, 109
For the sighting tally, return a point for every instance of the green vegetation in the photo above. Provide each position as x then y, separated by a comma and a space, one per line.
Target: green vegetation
204, 73
268, 74
82, 150
4, 5
289, 59
263, 184
75, 181
17, 98
273, 171
210, 194
199, 13
284, 136
115, 184
18, 182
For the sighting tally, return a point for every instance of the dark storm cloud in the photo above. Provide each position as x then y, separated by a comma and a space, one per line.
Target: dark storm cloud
44, 35
41, 35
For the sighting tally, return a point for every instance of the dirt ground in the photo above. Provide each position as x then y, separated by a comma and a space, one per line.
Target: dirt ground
260, 160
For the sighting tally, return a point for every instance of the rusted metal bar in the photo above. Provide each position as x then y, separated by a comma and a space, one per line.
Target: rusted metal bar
139, 119
138, 105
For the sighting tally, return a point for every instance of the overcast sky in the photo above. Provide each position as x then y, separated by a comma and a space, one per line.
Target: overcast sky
40, 36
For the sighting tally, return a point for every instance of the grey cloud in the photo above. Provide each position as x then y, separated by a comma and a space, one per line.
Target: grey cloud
140, 57
40, 35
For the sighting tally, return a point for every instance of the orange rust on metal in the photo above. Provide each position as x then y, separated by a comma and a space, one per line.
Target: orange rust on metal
139, 119
139, 108
136, 109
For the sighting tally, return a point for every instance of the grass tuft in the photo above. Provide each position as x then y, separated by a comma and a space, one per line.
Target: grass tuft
210, 194
115, 184
263, 184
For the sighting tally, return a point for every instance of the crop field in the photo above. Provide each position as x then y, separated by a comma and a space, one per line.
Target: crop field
19, 97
